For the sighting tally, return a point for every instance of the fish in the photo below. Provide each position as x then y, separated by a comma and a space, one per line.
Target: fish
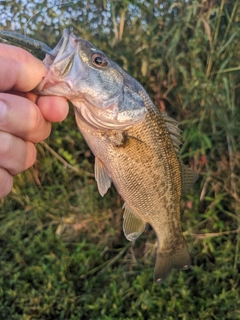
136, 147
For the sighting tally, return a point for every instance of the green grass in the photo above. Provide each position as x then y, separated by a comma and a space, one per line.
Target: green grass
63, 252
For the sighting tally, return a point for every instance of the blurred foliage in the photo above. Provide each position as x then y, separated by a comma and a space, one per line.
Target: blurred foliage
63, 253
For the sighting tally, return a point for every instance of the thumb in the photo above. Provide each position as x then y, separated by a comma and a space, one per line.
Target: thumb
19, 69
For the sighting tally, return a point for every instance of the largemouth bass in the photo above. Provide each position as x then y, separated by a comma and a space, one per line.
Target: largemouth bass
135, 145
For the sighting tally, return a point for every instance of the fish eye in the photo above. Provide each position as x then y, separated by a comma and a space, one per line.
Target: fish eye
99, 60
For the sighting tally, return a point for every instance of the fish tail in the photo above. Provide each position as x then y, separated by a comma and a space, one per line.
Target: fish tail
166, 262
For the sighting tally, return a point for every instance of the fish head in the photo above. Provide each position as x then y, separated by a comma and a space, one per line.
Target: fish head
103, 94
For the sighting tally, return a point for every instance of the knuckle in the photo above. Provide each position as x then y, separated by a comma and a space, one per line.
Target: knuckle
40, 128
16, 155
6, 145
6, 183
34, 121
32, 155
47, 131
27, 159
3, 112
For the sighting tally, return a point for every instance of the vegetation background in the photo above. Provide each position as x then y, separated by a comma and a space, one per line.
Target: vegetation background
63, 252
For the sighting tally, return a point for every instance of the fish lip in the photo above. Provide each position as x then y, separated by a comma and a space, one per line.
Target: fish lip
67, 43
55, 61
58, 49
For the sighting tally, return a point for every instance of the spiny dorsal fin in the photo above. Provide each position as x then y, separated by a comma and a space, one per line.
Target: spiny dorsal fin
102, 178
132, 225
174, 131
189, 177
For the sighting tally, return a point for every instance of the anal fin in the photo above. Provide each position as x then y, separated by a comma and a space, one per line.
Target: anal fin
132, 225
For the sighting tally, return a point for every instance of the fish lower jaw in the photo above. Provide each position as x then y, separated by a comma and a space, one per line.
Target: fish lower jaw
53, 88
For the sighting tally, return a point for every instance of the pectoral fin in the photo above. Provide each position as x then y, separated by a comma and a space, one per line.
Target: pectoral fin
132, 225
102, 178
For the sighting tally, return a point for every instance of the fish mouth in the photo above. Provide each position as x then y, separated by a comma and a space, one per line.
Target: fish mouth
60, 61
59, 49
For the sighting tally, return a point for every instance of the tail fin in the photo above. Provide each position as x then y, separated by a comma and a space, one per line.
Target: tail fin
165, 263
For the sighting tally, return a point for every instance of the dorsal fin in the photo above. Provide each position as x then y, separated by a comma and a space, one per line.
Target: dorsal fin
174, 131
189, 177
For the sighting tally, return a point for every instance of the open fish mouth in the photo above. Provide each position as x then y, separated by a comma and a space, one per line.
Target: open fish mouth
63, 44
65, 51
65, 65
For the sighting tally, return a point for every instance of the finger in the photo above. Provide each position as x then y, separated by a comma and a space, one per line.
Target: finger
16, 155
54, 109
6, 182
19, 69
22, 118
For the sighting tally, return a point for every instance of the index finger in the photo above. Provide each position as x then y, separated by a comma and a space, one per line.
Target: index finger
19, 69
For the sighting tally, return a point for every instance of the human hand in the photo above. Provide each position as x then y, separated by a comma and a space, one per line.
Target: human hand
25, 118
